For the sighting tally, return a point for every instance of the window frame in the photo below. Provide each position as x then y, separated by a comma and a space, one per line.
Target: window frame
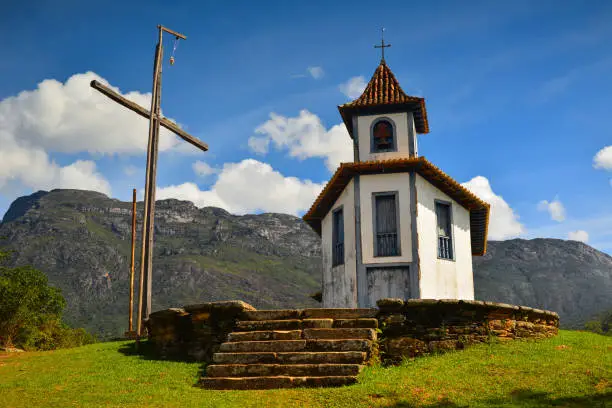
394, 139
395, 195
334, 238
451, 237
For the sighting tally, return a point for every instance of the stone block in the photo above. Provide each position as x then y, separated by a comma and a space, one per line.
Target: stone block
262, 383
291, 314
259, 325
368, 334
336, 357
393, 318
369, 323
339, 313
167, 314
317, 323
396, 348
450, 302
338, 345
333, 357
222, 307
258, 346
502, 333
443, 345
524, 325
390, 305
293, 370
265, 335
502, 324
201, 316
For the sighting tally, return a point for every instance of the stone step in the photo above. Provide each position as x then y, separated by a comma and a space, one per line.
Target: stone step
366, 323
333, 357
289, 324
265, 335
320, 313
296, 345
338, 334
266, 383
339, 313
288, 314
291, 370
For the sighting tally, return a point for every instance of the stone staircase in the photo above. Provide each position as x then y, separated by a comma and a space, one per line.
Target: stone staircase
294, 348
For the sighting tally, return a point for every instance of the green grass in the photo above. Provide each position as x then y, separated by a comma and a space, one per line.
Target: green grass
573, 369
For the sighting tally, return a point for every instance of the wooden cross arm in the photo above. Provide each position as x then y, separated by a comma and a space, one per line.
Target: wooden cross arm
171, 126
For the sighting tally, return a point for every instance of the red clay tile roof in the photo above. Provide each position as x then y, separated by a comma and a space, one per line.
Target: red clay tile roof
384, 90
479, 210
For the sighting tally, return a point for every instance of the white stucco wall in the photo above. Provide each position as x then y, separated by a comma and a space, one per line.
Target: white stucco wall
401, 120
375, 183
340, 282
441, 278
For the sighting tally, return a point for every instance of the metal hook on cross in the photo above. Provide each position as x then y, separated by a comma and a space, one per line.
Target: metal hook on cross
176, 40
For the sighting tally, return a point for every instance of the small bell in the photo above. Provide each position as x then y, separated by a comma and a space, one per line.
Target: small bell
171, 60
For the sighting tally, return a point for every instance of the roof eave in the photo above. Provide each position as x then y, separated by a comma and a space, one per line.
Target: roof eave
479, 210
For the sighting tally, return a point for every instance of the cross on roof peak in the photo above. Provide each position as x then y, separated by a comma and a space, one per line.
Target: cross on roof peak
382, 45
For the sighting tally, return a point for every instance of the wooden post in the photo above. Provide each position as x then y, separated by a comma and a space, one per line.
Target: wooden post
131, 326
149, 202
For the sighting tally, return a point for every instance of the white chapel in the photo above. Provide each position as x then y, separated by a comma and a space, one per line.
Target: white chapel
392, 224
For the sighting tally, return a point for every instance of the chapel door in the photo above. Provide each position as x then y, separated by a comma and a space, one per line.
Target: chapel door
387, 282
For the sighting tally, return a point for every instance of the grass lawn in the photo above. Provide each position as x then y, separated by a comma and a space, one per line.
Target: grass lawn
573, 369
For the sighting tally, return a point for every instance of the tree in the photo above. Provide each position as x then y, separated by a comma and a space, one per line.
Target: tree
602, 324
28, 305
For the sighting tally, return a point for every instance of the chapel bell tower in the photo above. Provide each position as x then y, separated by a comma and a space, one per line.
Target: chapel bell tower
386, 112
392, 224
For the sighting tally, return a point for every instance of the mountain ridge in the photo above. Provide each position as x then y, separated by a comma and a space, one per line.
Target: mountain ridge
81, 240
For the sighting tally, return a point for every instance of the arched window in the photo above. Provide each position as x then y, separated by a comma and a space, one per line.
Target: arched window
383, 136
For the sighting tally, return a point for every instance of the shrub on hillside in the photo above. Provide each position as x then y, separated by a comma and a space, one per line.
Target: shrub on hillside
30, 312
602, 324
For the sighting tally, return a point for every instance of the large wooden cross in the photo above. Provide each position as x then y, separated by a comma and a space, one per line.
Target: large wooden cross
155, 120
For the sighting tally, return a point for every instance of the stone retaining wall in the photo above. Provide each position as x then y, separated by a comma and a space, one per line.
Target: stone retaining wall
194, 332
420, 326
407, 328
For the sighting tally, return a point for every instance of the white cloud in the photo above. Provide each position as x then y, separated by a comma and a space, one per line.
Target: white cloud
603, 158
130, 170
579, 235
81, 175
68, 118
72, 117
354, 87
503, 222
555, 209
259, 145
32, 168
249, 186
202, 169
316, 72
305, 136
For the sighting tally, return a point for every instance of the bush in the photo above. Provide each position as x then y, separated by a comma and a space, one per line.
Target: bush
30, 312
601, 324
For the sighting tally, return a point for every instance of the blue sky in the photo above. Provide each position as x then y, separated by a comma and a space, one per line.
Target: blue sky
518, 93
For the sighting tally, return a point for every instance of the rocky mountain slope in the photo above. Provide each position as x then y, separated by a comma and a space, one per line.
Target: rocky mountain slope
81, 240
